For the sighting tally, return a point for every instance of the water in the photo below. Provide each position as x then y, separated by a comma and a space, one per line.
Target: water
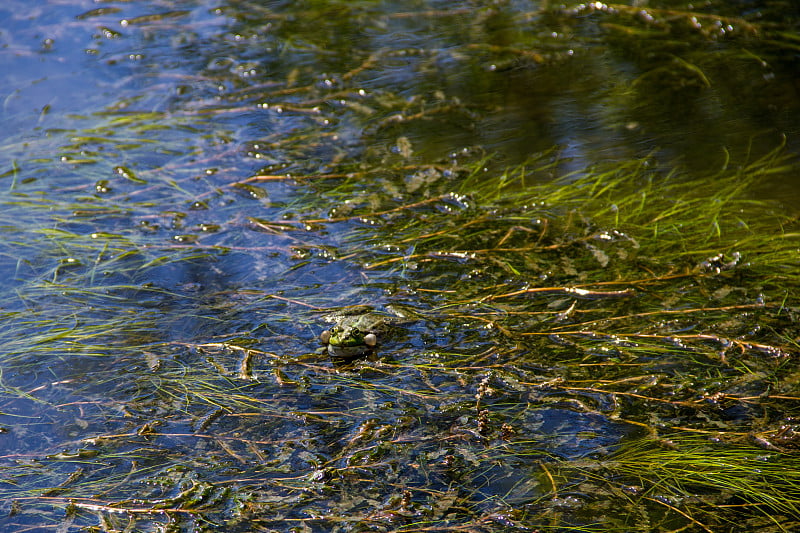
182, 189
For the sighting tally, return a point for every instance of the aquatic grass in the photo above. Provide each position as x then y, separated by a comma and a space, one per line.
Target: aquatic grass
672, 232
172, 370
695, 477
680, 226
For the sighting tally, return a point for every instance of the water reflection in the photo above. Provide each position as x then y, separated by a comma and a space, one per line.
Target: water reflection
186, 189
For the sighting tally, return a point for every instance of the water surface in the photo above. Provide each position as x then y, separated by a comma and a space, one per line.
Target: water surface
590, 210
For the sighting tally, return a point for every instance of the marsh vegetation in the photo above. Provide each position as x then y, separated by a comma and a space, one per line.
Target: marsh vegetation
588, 212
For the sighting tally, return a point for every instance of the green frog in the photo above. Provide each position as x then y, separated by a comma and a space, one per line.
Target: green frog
356, 331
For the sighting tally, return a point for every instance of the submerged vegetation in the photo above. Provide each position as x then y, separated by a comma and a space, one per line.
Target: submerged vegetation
592, 343
591, 356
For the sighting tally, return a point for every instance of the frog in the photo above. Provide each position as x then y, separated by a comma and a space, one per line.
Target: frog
357, 331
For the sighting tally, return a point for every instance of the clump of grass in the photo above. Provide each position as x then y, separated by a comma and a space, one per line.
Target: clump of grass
692, 477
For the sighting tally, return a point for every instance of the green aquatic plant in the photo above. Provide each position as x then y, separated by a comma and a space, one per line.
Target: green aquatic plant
521, 376
598, 346
709, 481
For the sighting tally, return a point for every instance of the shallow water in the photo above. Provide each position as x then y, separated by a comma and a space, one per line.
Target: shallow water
189, 186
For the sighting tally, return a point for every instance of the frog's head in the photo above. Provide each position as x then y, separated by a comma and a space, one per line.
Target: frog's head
347, 341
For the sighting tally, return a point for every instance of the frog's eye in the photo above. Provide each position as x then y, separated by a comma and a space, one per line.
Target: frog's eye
370, 339
325, 336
